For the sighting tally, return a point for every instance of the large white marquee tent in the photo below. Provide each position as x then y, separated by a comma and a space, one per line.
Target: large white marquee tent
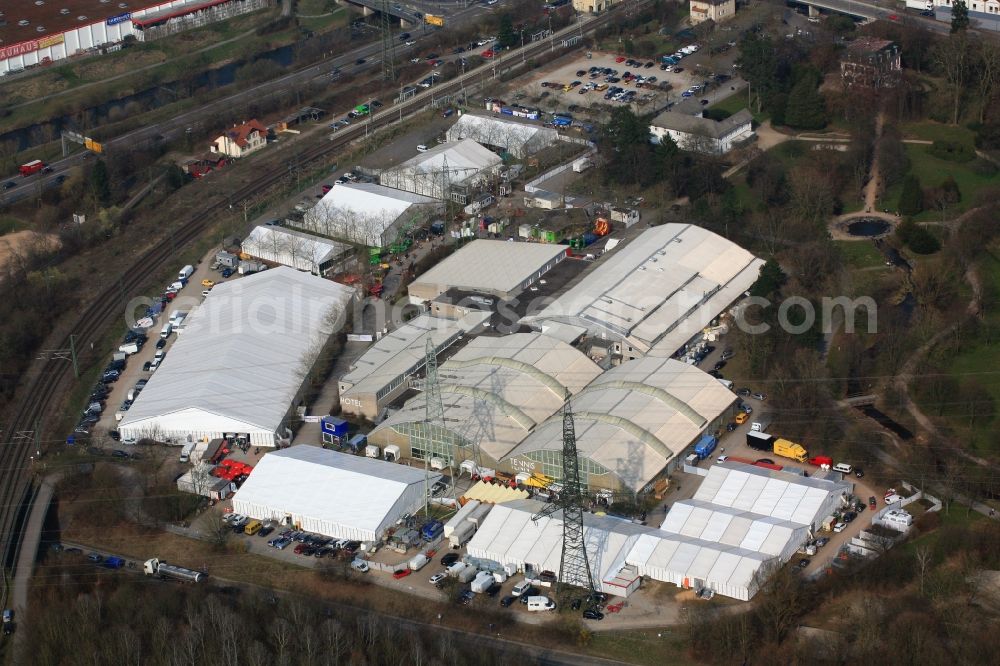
331, 493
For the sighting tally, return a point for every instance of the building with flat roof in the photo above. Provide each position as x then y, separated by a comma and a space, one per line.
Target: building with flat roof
368, 214
632, 424
495, 391
655, 293
384, 371
239, 369
702, 135
437, 172
518, 139
489, 267
295, 249
335, 494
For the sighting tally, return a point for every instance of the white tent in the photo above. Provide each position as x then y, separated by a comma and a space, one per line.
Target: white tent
238, 368
293, 248
331, 493
520, 139
434, 172
366, 213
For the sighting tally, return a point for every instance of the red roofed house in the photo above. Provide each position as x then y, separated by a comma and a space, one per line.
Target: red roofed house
241, 140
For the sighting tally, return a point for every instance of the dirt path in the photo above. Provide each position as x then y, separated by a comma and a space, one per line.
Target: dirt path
908, 371
11, 244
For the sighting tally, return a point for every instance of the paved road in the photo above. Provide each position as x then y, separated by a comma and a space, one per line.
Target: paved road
176, 126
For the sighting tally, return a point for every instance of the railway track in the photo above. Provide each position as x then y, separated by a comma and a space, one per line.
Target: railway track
41, 397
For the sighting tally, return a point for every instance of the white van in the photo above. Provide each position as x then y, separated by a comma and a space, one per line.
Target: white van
185, 272
167, 329
843, 468
541, 604
129, 348
521, 588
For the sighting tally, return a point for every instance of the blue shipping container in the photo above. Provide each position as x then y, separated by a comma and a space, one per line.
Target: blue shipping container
705, 446
333, 425
589, 237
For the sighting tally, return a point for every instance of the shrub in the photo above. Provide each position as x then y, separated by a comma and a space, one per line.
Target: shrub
911, 198
951, 151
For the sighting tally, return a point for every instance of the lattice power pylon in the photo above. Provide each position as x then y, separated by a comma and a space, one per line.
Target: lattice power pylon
574, 567
433, 413
388, 43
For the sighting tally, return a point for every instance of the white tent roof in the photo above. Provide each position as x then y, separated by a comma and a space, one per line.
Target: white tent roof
294, 245
491, 266
495, 390
783, 495
361, 212
636, 417
352, 494
509, 536
495, 131
463, 158
241, 356
659, 290
402, 350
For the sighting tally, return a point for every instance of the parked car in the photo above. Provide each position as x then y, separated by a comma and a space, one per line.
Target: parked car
593, 614
449, 559
839, 527
360, 565
466, 597
803, 563
759, 396
401, 573
507, 601
437, 578
95, 558
872, 502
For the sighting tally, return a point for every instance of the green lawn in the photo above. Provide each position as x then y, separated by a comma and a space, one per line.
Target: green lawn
860, 254
338, 16
737, 101
931, 131
659, 647
980, 360
932, 171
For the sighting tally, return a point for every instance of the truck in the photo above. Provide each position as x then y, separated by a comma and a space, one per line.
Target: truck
760, 441
787, 449
460, 517
431, 19
225, 259
825, 462
761, 422
482, 582
34, 166
418, 562
582, 164
154, 567
461, 534
467, 574
185, 273
186, 452
705, 446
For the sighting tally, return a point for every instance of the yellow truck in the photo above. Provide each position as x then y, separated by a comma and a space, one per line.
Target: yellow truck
787, 449
430, 19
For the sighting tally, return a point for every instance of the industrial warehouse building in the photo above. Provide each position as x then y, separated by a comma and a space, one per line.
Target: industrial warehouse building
384, 371
442, 169
331, 493
742, 523
494, 391
517, 139
654, 294
368, 214
632, 423
34, 33
489, 267
238, 370
295, 249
